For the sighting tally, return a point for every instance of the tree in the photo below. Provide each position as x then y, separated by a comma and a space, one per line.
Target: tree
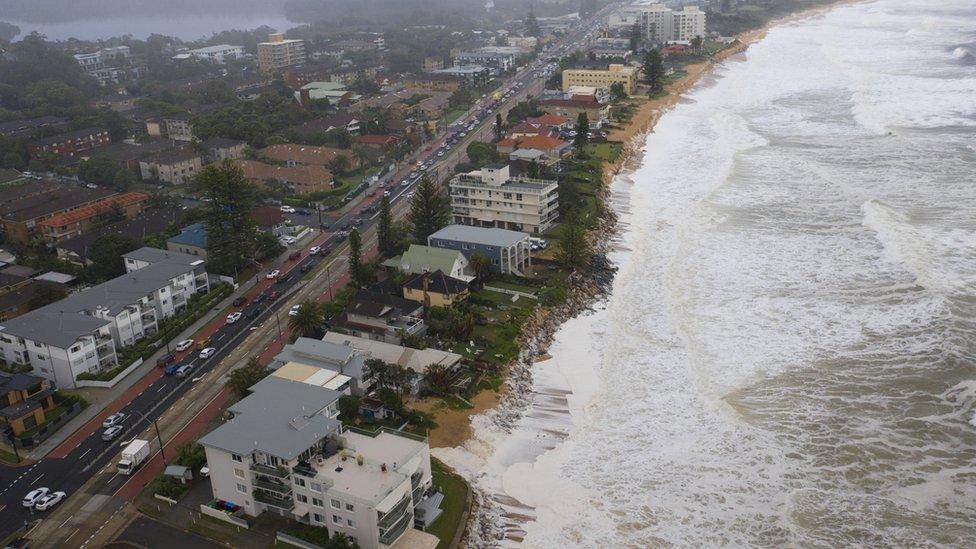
696, 44
635, 37
231, 233
574, 249
429, 210
617, 91
242, 379
532, 24
13, 161
499, 130
307, 321
384, 229
377, 371
402, 379
192, 455
534, 170
348, 407
437, 379
481, 267
355, 257
339, 164
582, 133
106, 256
481, 154
46, 294
99, 169
654, 71
123, 180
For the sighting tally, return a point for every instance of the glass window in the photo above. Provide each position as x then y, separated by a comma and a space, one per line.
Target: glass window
336, 519
302, 498
241, 488
318, 517
300, 481
236, 457
351, 523
315, 486
239, 473
350, 507
317, 502
336, 504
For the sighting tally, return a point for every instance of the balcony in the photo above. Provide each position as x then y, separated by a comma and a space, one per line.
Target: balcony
388, 519
276, 487
285, 503
395, 531
268, 470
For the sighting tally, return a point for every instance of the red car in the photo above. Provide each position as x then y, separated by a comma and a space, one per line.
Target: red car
295, 255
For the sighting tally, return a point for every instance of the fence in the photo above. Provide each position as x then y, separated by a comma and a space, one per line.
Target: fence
510, 292
111, 382
292, 540
48, 428
222, 515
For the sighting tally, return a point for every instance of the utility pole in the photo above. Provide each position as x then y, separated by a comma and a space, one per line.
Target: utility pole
160, 438
328, 281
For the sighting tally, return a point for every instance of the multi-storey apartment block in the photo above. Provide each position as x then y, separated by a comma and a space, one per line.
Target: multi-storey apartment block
490, 197
278, 53
615, 73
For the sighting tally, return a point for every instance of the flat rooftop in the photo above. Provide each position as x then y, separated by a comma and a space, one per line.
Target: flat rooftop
368, 482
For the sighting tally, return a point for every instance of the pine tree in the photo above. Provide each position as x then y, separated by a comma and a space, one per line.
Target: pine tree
231, 233
635, 37
574, 250
429, 211
532, 24
498, 126
384, 229
582, 133
654, 71
355, 257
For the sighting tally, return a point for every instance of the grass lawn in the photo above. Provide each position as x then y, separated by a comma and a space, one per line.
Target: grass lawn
8, 457
214, 529
455, 491
451, 116
604, 151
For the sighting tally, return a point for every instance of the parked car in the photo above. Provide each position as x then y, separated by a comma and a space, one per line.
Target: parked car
34, 496
303, 212
184, 345
259, 298
272, 274
113, 420
287, 209
287, 240
306, 268
239, 301
164, 360
234, 317
184, 370
207, 353
295, 255
112, 432
172, 368
294, 310
48, 501
273, 295
314, 250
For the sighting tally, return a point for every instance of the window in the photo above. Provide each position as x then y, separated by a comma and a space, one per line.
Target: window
241, 488
336, 504
336, 519
315, 486
239, 473
318, 518
317, 502
302, 498
350, 507
300, 481
351, 523
236, 457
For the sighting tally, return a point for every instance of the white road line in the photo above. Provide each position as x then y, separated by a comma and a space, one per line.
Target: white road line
86, 452
72, 533
161, 389
37, 479
65, 522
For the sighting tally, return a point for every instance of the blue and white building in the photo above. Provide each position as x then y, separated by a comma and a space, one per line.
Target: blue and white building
509, 251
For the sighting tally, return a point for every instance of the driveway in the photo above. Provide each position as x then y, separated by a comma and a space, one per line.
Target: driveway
145, 532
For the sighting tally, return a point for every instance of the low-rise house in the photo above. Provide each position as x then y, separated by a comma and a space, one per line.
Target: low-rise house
151, 221
298, 179
434, 82
435, 289
417, 360
382, 143
269, 219
551, 121
176, 167
382, 317
471, 75
78, 221
26, 128
326, 364
596, 113
81, 333
550, 146
520, 161
218, 149
510, 252
128, 155
344, 121
18, 291
24, 207
491, 197
306, 73
306, 155
179, 127
219, 54
70, 144
285, 452
334, 92
192, 240
423, 259
24, 401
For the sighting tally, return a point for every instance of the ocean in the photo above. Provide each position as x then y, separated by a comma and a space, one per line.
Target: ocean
788, 353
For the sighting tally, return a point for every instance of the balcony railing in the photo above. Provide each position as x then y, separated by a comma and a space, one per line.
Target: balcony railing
285, 503
276, 487
391, 535
269, 470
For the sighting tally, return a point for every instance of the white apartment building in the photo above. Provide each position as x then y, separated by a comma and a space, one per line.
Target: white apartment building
490, 197
217, 54
284, 452
82, 332
661, 23
278, 53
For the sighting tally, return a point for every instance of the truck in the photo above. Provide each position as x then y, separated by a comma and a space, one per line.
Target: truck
133, 456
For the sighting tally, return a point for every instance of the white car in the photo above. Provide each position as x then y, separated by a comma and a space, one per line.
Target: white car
184, 345
234, 317
207, 353
48, 501
314, 250
406, 183
272, 274
112, 432
287, 240
184, 370
409, 195
34, 496
287, 209
113, 420
294, 310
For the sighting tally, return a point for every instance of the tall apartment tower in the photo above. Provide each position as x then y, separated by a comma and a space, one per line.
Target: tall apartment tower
278, 53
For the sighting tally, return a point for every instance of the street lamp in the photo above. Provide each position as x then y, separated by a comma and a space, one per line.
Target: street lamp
158, 436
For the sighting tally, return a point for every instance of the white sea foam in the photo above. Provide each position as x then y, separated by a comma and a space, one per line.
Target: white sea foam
786, 356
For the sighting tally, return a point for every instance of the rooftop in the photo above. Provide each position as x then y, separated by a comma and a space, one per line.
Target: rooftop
281, 417
149, 222
92, 210
304, 154
479, 235
191, 235
56, 199
415, 359
436, 282
369, 482
418, 259
62, 137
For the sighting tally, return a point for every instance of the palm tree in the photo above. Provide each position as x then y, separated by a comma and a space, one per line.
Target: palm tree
481, 266
241, 379
307, 322
377, 370
437, 379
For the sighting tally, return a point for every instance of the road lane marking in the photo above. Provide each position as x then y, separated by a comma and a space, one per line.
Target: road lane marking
36, 479
65, 522
72, 533
161, 389
86, 452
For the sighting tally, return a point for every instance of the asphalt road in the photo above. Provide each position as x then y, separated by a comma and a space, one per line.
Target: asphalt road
91, 455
